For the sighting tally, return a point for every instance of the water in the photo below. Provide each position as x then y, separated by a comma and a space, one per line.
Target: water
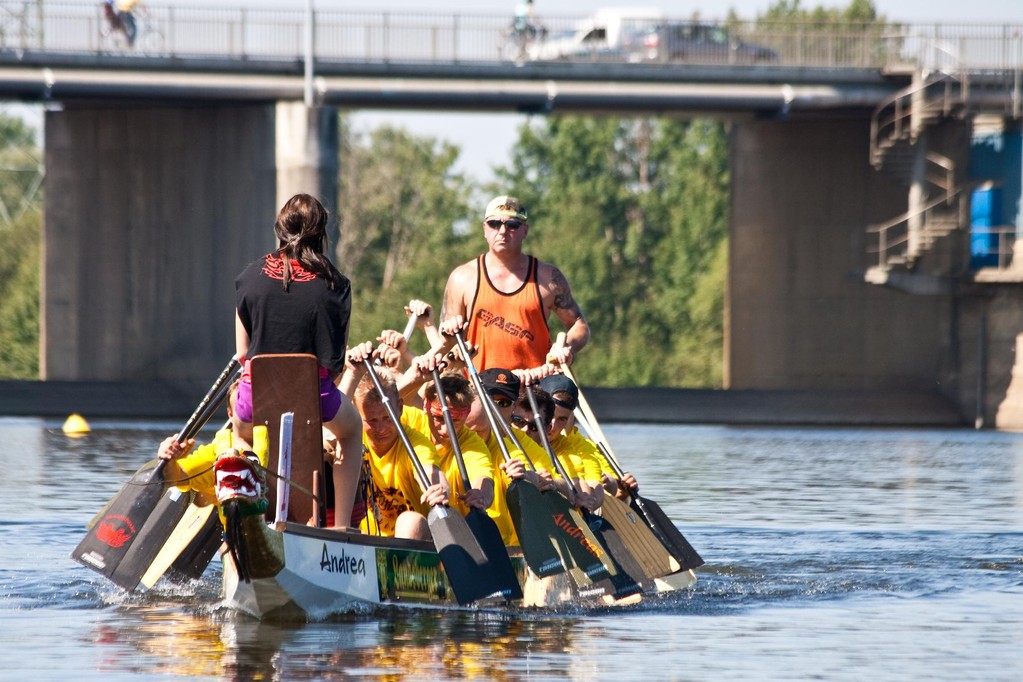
831, 554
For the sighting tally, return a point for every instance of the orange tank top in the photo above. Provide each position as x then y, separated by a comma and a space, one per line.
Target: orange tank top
510, 329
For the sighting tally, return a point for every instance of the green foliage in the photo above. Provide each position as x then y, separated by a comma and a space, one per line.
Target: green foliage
19, 298
635, 213
401, 204
850, 35
20, 224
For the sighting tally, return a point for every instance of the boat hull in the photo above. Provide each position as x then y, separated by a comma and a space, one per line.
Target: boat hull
326, 571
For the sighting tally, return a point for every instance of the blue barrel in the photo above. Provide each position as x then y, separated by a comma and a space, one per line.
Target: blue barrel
985, 213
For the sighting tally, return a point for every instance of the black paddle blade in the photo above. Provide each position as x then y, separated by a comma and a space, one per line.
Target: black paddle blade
489, 537
535, 529
465, 564
576, 541
198, 554
162, 521
109, 540
667, 532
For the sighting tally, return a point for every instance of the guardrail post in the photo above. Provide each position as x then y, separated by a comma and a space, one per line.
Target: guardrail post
454, 37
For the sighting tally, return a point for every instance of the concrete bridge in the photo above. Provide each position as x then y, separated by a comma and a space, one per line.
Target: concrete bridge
165, 163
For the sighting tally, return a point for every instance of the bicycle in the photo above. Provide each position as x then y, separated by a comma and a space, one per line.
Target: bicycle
113, 32
518, 39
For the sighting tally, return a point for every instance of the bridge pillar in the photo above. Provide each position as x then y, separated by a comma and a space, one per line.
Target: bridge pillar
307, 153
800, 315
150, 212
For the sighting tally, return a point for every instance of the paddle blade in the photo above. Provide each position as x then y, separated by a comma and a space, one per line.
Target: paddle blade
628, 574
487, 534
463, 558
576, 541
668, 533
194, 559
651, 556
190, 547
151, 538
535, 529
113, 535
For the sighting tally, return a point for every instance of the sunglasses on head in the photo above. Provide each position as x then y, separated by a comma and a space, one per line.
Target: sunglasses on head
523, 423
496, 224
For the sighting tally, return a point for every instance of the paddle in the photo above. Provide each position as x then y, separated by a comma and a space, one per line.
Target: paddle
122, 544
480, 523
464, 561
544, 543
663, 527
625, 564
196, 521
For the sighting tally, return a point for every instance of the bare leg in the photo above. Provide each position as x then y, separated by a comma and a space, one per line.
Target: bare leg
347, 428
412, 526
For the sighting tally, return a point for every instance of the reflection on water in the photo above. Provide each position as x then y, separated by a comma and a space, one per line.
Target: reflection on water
833, 553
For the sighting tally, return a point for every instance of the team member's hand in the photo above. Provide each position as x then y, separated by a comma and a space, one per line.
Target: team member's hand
423, 311
453, 325
435, 494
171, 448
357, 355
475, 498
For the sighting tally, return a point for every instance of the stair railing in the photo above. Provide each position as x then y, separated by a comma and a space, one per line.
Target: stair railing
895, 232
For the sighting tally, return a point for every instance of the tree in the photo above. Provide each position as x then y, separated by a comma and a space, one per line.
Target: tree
20, 224
401, 206
852, 35
634, 212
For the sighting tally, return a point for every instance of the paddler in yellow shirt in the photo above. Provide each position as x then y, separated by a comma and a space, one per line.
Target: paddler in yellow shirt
430, 422
397, 505
503, 387
194, 469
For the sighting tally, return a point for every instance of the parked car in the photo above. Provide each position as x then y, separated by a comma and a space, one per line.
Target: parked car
695, 42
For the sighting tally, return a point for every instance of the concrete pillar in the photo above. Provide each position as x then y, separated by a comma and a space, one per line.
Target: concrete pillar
1009, 415
800, 314
307, 153
150, 214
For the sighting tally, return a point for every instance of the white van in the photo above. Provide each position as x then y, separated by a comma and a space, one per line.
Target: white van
600, 35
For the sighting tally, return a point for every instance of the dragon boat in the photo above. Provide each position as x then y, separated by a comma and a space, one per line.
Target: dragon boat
280, 561
292, 567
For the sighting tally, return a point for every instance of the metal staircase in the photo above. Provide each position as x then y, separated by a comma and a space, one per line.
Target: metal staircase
898, 144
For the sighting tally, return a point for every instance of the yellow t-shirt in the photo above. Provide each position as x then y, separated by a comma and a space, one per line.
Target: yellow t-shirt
498, 511
474, 453
396, 487
581, 453
197, 466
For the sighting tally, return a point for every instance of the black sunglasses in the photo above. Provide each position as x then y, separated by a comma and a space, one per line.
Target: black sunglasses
520, 422
496, 224
503, 403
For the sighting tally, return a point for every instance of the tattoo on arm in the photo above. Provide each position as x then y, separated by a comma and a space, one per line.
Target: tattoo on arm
562, 294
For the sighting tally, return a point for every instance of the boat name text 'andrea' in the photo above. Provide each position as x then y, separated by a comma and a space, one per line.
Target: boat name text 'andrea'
332, 563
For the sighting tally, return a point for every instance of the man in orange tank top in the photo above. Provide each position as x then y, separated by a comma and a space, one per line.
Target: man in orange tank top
506, 297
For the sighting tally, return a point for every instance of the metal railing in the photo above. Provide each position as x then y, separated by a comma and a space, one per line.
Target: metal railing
892, 238
1005, 237
276, 34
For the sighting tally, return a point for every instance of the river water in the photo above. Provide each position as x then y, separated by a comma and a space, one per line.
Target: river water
836, 554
